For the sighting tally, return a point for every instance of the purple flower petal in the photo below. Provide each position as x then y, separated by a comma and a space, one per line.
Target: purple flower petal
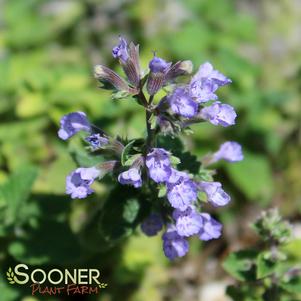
230, 151
219, 114
181, 103
131, 177
152, 224
215, 194
211, 229
73, 123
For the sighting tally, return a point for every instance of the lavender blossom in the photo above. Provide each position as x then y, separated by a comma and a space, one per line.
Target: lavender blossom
173, 244
78, 182
157, 76
152, 224
205, 82
73, 123
215, 194
158, 65
97, 141
121, 50
230, 151
131, 177
188, 222
211, 229
182, 104
181, 190
158, 165
219, 114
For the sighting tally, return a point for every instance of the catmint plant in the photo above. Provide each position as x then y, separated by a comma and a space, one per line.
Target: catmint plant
174, 196
267, 270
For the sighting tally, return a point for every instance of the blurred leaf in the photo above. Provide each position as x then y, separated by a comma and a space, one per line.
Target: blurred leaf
241, 265
253, 176
265, 267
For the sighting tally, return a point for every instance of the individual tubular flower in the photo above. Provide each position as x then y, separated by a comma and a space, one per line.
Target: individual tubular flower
230, 151
182, 104
174, 245
73, 123
131, 177
188, 222
128, 56
97, 141
205, 82
219, 114
178, 69
181, 190
152, 224
215, 194
107, 76
211, 229
78, 182
156, 79
158, 164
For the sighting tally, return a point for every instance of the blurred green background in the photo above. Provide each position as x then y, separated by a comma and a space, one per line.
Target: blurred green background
47, 51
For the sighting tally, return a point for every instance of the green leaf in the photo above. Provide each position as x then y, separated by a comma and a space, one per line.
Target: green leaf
265, 267
16, 191
241, 265
162, 191
131, 160
175, 160
293, 285
131, 209
84, 159
253, 176
125, 152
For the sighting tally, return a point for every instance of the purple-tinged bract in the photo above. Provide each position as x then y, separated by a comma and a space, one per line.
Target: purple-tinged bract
219, 114
211, 228
131, 177
152, 224
158, 164
73, 123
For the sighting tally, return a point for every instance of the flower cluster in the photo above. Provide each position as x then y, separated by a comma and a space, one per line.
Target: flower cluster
192, 101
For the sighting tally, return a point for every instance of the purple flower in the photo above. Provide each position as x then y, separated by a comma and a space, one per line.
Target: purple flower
205, 82
219, 114
188, 222
211, 229
73, 123
215, 194
131, 177
181, 103
78, 182
96, 141
230, 151
157, 65
158, 165
121, 50
173, 244
152, 224
181, 190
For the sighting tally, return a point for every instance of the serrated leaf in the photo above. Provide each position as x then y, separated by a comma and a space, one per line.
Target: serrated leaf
125, 152
265, 267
